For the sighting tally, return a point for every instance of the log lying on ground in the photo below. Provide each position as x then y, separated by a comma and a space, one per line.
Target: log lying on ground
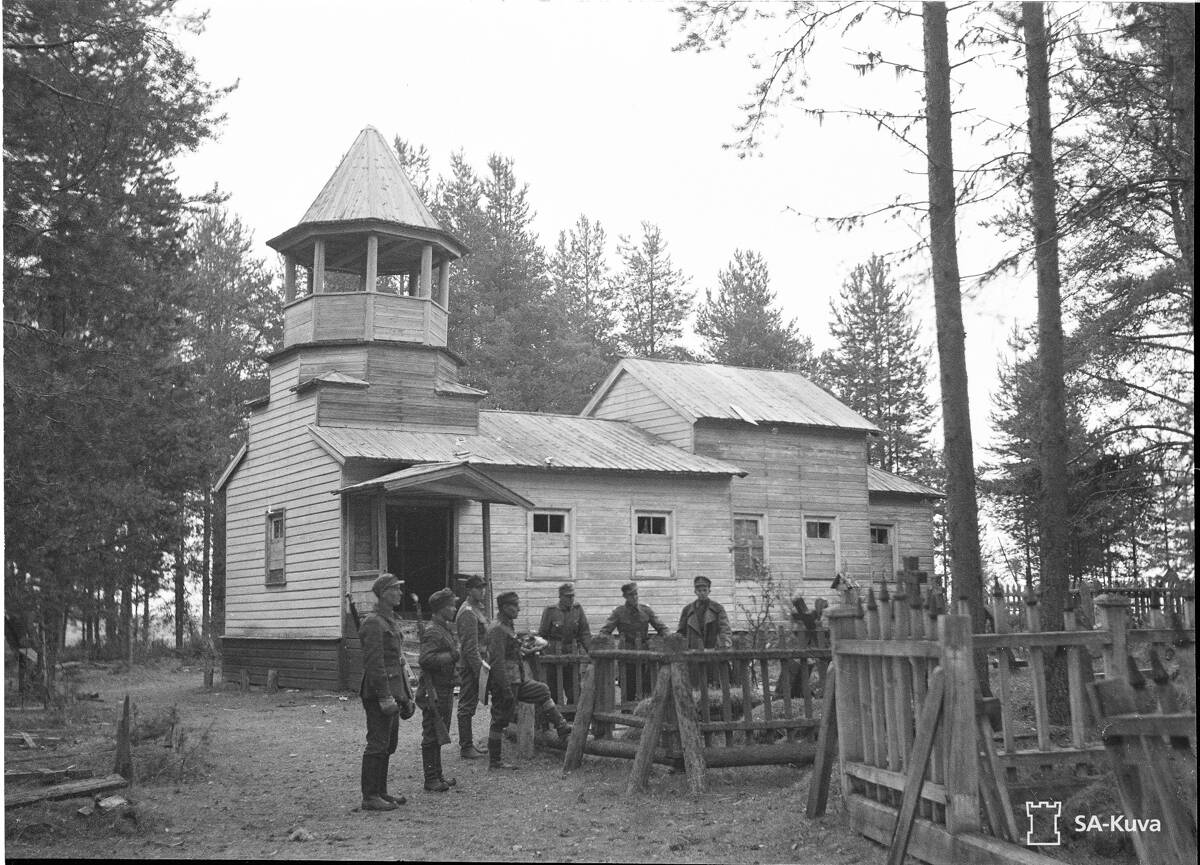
65, 791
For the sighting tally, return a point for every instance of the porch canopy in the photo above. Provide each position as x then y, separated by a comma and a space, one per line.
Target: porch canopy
458, 480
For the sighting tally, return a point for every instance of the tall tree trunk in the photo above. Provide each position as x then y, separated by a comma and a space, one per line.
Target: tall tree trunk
962, 510
127, 616
180, 598
1052, 438
206, 564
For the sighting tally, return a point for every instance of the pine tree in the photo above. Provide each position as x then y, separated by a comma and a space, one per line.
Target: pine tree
652, 296
741, 324
879, 367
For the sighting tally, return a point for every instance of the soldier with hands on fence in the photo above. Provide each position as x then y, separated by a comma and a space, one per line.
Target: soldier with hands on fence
508, 683
566, 631
471, 624
705, 625
384, 692
633, 621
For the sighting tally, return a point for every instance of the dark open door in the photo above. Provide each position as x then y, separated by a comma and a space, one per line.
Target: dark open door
418, 550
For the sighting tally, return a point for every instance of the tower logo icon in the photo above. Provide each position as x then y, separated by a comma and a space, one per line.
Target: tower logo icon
1043, 824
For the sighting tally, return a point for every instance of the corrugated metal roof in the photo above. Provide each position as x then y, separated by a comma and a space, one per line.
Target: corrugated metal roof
879, 481
370, 183
526, 439
709, 390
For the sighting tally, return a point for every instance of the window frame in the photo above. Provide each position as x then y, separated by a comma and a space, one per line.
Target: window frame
568, 517
668, 517
273, 516
761, 519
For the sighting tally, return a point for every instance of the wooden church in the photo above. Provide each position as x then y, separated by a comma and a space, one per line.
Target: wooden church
369, 455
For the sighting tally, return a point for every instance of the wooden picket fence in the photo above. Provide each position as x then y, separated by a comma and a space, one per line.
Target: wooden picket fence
920, 767
1145, 603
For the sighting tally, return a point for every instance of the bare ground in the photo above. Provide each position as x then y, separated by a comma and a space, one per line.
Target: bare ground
259, 775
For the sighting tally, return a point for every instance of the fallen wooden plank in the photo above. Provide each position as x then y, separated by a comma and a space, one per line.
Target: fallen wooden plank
65, 791
47, 776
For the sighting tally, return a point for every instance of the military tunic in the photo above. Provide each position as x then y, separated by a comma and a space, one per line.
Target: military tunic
383, 677
634, 623
471, 625
439, 652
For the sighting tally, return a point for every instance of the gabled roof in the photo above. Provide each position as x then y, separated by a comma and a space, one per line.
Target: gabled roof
521, 439
879, 481
455, 479
370, 183
713, 391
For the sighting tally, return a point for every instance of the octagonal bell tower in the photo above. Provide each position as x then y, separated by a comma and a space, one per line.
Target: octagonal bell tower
367, 261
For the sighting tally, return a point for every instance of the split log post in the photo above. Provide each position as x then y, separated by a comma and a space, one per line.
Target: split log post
525, 717
124, 762
902, 674
605, 698
843, 681
272, 681
1075, 691
685, 718
818, 787
876, 702
1113, 612
931, 714
962, 763
921, 671
245, 681
208, 672
583, 719
1037, 674
651, 733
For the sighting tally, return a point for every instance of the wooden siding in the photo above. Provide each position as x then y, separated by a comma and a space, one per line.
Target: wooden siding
602, 531
913, 521
630, 400
297, 323
364, 315
313, 664
794, 472
401, 392
284, 468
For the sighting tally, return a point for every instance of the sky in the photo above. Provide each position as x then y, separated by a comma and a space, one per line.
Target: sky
601, 118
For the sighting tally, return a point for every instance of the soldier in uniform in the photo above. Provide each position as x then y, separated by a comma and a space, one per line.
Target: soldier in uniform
508, 682
705, 625
471, 624
633, 620
439, 653
384, 692
565, 629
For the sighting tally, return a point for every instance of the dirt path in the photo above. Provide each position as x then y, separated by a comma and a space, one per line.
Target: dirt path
278, 777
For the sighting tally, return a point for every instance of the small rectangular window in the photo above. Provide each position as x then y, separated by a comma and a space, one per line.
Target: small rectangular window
651, 525
276, 548
748, 547
819, 529
880, 535
554, 524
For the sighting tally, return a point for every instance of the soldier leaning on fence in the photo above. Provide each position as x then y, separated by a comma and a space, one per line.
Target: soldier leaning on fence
439, 653
383, 692
508, 684
471, 624
633, 621
566, 630
705, 624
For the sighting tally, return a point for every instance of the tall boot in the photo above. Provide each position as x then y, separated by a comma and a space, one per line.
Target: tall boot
371, 789
382, 786
556, 718
466, 740
430, 755
494, 759
437, 758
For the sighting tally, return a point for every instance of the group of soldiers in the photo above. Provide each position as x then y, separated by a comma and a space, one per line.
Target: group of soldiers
461, 644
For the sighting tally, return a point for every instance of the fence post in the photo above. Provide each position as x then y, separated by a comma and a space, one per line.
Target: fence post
962, 769
1114, 618
849, 723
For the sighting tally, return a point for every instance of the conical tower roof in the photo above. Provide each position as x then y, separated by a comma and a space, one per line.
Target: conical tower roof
370, 191
370, 183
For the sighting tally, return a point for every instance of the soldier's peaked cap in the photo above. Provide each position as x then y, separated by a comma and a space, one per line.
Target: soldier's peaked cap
702, 581
629, 588
507, 598
441, 598
385, 582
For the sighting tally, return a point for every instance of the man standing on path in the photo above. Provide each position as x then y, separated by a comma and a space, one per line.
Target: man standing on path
439, 652
508, 683
471, 624
383, 690
633, 620
566, 630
